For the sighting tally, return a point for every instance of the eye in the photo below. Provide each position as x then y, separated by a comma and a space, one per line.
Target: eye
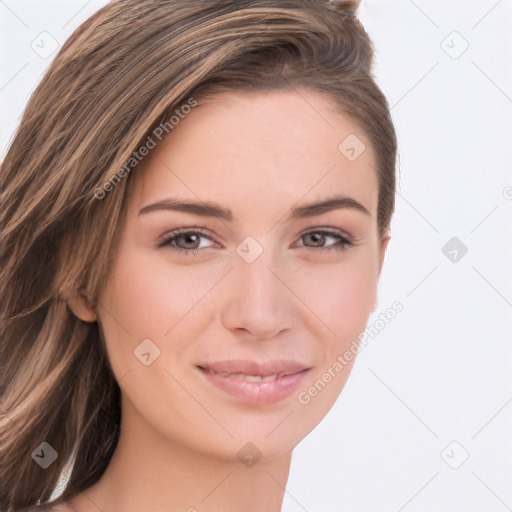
184, 240
319, 236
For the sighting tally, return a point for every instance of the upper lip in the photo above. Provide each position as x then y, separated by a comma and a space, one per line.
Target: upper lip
263, 369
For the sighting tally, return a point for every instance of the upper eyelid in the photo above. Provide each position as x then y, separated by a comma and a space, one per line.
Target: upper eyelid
173, 233
204, 232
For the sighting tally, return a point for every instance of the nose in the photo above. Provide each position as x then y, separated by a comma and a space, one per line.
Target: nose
257, 299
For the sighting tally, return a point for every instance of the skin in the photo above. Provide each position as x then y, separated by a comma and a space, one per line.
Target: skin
259, 154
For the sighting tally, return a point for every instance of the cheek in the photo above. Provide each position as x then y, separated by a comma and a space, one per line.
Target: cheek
148, 298
343, 297
340, 294
357, 285
153, 298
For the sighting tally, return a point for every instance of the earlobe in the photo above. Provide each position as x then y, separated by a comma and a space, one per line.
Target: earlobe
383, 246
382, 252
80, 307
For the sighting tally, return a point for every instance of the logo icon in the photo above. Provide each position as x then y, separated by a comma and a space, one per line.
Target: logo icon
351, 147
455, 455
454, 45
454, 249
44, 455
45, 45
146, 352
249, 249
249, 455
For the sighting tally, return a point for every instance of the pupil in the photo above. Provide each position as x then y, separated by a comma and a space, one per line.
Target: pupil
190, 237
316, 237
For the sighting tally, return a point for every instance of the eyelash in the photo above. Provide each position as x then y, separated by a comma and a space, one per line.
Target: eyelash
168, 238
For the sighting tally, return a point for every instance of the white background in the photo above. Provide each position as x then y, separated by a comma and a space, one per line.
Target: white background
441, 370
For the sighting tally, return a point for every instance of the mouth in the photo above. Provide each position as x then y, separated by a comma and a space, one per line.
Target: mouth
257, 383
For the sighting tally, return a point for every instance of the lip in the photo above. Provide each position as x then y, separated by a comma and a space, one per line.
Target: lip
290, 376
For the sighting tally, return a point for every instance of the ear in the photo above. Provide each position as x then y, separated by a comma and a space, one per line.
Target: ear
383, 246
80, 306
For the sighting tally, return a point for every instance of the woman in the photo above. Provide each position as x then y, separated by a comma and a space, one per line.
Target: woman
158, 375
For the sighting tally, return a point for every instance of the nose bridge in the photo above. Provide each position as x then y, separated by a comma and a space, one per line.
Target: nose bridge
261, 282
258, 300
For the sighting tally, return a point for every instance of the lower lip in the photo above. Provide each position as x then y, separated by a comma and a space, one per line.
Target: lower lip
257, 392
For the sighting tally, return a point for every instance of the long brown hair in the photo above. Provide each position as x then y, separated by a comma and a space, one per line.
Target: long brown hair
122, 72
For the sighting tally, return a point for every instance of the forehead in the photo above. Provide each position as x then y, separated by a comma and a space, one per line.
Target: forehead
254, 151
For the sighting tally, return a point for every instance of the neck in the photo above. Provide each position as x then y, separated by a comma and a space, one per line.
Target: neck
149, 472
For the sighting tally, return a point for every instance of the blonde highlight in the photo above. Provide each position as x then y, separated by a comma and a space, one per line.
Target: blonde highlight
115, 79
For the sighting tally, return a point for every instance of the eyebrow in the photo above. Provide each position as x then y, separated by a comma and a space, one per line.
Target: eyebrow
210, 209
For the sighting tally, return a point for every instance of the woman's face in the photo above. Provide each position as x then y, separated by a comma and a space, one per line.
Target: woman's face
272, 285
